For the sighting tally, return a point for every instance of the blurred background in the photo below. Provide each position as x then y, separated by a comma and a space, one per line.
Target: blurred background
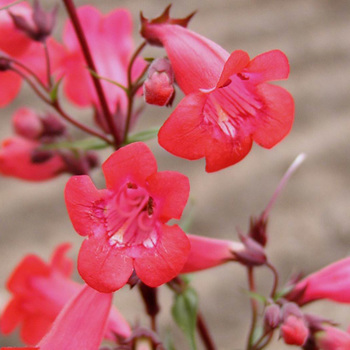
309, 227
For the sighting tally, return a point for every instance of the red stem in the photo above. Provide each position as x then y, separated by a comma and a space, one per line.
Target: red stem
204, 332
91, 65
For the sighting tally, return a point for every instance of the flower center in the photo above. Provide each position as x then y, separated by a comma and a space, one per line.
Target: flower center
130, 218
235, 102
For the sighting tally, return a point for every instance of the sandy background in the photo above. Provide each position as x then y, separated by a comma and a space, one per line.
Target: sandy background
310, 225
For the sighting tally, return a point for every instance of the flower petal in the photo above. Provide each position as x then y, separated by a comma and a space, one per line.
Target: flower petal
277, 117
9, 88
182, 133
83, 203
237, 61
269, 66
165, 261
60, 262
102, 266
197, 61
171, 189
81, 323
134, 163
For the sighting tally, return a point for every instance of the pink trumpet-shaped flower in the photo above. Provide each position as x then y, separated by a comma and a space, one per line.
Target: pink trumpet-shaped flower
332, 338
332, 282
209, 252
110, 40
39, 292
16, 159
125, 224
80, 325
228, 102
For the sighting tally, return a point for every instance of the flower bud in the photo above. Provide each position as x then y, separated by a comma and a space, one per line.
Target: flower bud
158, 87
294, 329
253, 254
272, 316
5, 63
27, 123
40, 26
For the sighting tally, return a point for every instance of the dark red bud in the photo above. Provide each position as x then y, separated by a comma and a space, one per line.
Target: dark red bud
53, 126
39, 156
253, 253
257, 230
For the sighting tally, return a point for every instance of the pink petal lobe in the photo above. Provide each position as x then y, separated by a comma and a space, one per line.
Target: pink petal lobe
34, 328
225, 151
269, 66
237, 61
182, 134
117, 325
11, 316
83, 202
81, 323
102, 266
171, 189
165, 260
277, 118
60, 262
134, 163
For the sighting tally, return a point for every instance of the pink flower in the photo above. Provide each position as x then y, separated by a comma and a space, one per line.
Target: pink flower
14, 43
81, 323
16, 160
40, 290
333, 339
110, 41
209, 252
332, 282
126, 223
228, 102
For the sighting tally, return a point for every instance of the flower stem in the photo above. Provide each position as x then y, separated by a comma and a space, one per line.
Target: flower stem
131, 91
254, 307
91, 65
204, 332
48, 66
58, 108
275, 279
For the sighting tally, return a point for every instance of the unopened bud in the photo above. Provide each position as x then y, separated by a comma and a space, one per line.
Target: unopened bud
253, 254
27, 123
53, 126
272, 316
41, 24
39, 156
294, 328
78, 164
158, 88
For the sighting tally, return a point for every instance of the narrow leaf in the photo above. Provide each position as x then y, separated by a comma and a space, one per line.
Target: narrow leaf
143, 136
54, 91
94, 74
184, 312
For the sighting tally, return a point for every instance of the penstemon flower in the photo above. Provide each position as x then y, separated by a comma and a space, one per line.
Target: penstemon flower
125, 224
228, 102
40, 290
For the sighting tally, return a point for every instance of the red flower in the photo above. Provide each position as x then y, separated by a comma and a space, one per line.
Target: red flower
110, 40
126, 223
40, 291
332, 282
228, 103
80, 325
16, 160
332, 338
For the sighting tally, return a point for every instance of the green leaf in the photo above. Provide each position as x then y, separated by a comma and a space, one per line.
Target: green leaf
184, 312
93, 73
143, 136
256, 296
92, 143
54, 91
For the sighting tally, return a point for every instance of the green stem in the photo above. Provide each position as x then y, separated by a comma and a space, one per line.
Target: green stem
254, 308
